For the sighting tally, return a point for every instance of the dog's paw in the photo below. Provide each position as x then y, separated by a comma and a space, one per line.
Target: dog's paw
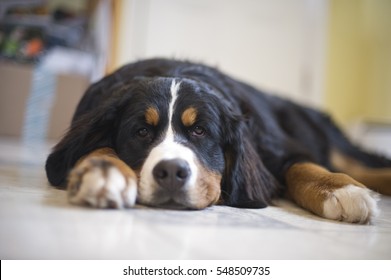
351, 204
99, 183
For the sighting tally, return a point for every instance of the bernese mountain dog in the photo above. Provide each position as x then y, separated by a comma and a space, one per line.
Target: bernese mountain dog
168, 133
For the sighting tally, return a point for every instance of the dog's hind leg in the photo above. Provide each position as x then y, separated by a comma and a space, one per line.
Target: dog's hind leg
377, 179
371, 169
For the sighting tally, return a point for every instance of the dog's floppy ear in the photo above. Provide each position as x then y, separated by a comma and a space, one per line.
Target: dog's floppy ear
246, 181
91, 131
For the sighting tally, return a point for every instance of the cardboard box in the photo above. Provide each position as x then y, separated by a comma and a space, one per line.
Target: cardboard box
15, 86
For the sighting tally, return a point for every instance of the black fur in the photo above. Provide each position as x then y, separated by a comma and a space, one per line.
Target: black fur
253, 137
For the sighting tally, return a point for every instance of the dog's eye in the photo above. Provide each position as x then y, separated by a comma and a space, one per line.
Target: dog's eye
143, 132
197, 131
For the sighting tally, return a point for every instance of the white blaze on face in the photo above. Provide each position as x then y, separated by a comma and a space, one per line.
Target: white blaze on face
166, 150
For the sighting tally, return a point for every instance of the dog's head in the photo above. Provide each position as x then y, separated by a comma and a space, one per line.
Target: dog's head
184, 138
170, 133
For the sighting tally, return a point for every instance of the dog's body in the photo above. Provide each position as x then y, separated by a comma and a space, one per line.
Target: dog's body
164, 132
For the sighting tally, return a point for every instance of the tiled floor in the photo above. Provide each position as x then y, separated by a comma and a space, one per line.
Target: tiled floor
36, 222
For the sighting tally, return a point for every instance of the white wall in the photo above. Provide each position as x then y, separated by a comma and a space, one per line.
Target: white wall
275, 45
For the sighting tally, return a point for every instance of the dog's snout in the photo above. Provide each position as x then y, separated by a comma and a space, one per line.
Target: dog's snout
171, 174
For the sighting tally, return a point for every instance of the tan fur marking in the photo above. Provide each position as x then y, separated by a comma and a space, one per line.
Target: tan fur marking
152, 116
377, 179
310, 185
111, 156
189, 116
207, 192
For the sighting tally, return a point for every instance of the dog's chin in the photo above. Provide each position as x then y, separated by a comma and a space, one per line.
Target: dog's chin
172, 205
168, 203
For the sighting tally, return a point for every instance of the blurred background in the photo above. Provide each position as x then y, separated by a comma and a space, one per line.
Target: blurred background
334, 55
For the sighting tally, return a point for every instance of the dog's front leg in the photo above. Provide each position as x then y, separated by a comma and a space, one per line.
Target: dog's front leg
102, 180
330, 195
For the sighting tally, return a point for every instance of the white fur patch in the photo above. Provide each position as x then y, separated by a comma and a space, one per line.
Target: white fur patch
105, 189
166, 150
351, 204
174, 93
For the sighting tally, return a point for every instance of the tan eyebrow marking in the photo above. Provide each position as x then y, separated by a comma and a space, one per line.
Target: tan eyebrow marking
152, 116
189, 116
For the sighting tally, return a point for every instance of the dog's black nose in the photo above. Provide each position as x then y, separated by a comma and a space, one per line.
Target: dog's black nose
171, 174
